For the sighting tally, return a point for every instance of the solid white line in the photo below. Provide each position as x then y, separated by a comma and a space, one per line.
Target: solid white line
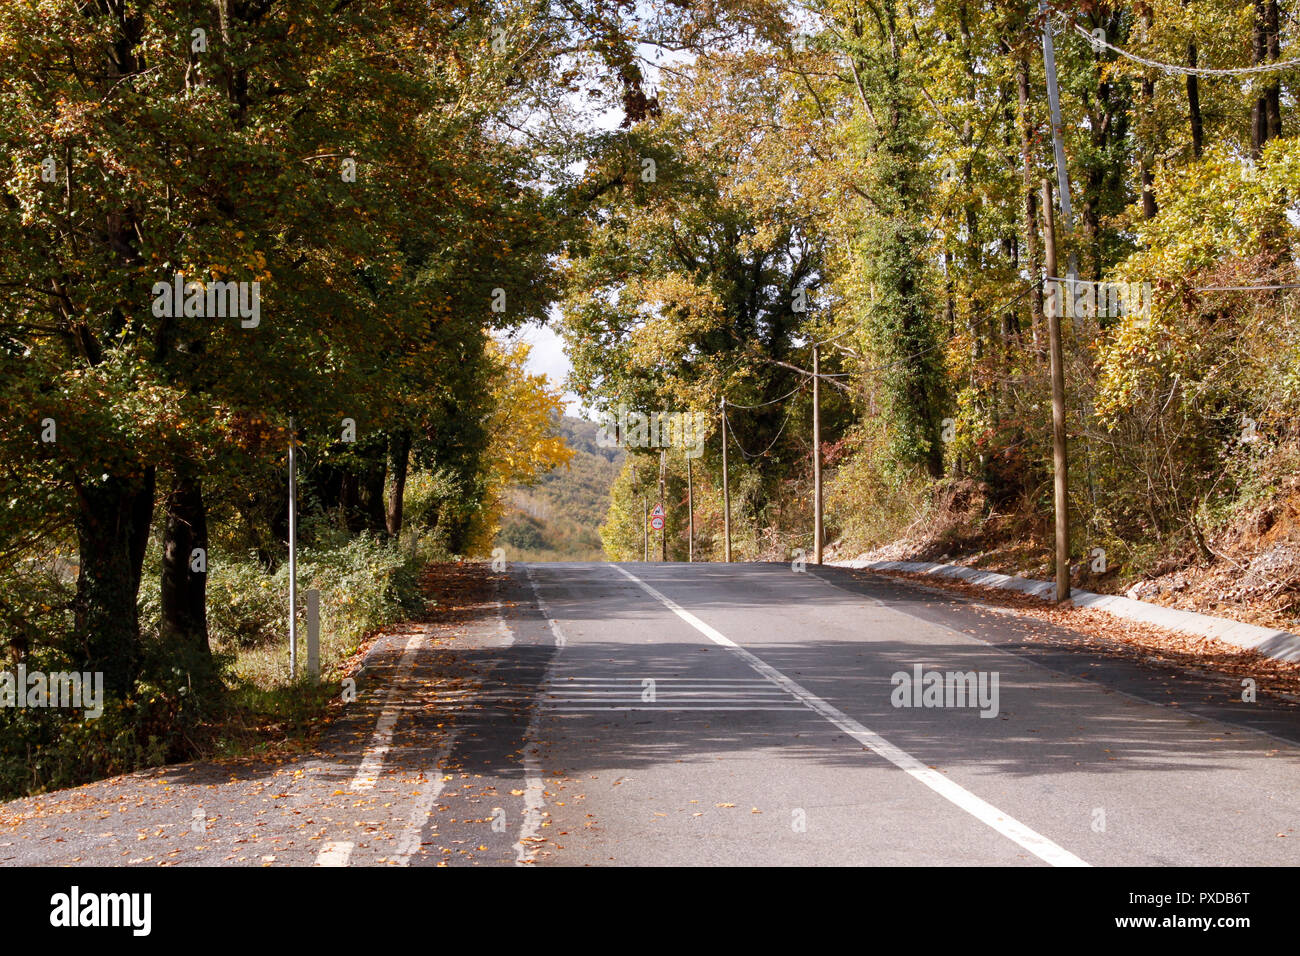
670, 694
534, 786
667, 701
637, 680
381, 740
334, 853
560, 639
795, 707
1008, 826
763, 687
409, 843
503, 629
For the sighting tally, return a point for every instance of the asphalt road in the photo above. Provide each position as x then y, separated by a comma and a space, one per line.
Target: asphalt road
707, 714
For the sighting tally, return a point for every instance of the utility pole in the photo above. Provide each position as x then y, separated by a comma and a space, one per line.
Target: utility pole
817, 454
293, 554
726, 490
1060, 463
1058, 139
645, 529
1054, 103
663, 535
690, 511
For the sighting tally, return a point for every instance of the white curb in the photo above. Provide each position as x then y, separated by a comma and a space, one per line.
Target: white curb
1281, 645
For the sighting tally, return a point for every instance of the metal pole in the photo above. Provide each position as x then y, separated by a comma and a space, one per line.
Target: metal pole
817, 455
690, 513
726, 491
293, 555
645, 530
1060, 462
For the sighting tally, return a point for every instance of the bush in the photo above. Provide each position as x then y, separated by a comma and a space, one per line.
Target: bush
364, 583
48, 747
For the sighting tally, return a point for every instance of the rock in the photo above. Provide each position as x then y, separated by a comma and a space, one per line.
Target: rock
1142, 590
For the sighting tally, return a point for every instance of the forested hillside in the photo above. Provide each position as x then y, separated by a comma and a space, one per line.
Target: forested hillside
557, 517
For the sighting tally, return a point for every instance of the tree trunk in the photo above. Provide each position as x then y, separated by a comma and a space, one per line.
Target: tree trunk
1273, 92
399, 457
1266, 116
1148, 190
113, 518
184, 589
374, 516
349, 498
1194, 103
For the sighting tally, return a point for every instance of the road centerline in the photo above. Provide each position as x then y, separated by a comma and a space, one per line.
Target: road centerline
1037, 844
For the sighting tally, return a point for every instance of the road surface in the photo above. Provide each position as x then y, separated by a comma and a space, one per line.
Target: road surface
601, 714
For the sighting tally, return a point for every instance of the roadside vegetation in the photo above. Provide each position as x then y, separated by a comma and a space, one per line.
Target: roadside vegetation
236, 228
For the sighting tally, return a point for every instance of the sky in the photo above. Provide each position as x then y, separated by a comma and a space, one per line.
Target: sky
547, 358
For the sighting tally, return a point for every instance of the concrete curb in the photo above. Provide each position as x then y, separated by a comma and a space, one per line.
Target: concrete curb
1280, 645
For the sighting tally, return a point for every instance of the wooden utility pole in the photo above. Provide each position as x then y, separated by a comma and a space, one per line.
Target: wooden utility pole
1060, 463
663, 534
817, 454
1058, 139
690, 513
726, 490
1054, 108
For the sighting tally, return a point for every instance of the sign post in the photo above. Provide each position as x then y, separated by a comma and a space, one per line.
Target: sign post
293, 554
657, 518
313, 634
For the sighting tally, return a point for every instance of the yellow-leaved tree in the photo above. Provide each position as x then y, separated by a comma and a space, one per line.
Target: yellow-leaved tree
525, 441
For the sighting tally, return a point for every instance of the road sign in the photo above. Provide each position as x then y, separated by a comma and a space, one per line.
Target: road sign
657, 522
658, 511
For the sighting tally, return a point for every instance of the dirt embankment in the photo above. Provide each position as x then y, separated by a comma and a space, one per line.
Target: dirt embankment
1248, 570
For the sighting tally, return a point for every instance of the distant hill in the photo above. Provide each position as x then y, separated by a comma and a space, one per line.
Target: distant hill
556, 519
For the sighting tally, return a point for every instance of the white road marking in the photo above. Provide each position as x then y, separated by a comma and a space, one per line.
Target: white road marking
986, 813
534, 787
409, 844
337, 853
560, 639
785, 707
775, 694
503, 629
372, 760
334, 853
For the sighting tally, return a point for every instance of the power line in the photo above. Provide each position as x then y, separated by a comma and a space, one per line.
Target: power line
1246, 288
748, 457
772, 402
1097, 41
